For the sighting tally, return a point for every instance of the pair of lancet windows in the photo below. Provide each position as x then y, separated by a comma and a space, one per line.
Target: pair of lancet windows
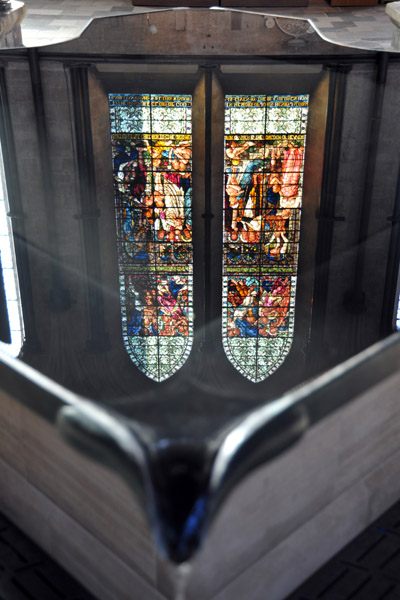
261, 205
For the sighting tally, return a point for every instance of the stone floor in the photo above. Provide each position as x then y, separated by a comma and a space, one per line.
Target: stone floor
53, 21
27, 573
366, 569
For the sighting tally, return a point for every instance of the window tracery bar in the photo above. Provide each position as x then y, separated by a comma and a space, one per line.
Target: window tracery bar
152, 154
264, 158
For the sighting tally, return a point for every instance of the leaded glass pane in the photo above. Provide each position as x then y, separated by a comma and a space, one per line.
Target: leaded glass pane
152, 154
264, 159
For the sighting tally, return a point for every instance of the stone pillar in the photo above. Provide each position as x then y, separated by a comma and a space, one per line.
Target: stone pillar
89, 213
393, 12
59, 298
11, 15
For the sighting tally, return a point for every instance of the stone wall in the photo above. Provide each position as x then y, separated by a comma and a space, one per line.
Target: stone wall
64, 335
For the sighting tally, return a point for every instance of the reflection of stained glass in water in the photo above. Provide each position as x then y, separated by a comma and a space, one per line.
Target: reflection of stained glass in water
151, 138
264, 159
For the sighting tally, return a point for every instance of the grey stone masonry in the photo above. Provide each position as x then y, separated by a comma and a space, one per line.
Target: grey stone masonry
393, 12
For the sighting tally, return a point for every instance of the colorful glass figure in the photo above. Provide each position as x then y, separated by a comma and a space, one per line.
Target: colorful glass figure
264, 158
152, 163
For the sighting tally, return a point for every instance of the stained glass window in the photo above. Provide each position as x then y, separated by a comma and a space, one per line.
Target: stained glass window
264, 157
151, 140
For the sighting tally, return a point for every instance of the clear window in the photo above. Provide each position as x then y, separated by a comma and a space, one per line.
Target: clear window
10, 276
